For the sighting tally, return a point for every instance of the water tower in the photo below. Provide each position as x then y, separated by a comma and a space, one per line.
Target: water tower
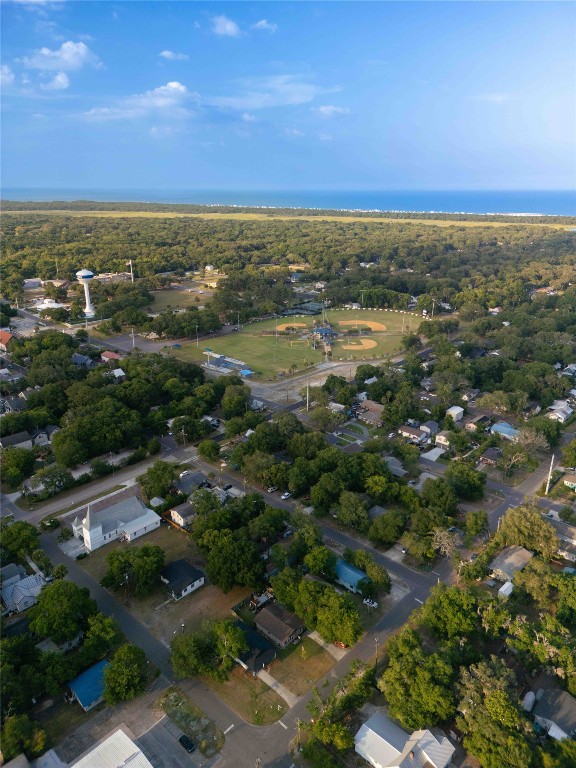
84, 276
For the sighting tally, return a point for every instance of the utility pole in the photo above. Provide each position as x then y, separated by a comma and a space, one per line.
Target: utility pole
361, 298
376, 641
549, 476
433, 305
133, 339
307, 395
129, 263
238, 324
196, 335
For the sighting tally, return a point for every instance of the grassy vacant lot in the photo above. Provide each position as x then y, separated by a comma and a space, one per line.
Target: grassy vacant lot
302, 665
62, 718
172, 298
207, 736
249, 697
268, 217
162, 616
270, 355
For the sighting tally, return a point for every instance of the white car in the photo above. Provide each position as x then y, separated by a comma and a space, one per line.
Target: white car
370, 603
272, 489
286, 495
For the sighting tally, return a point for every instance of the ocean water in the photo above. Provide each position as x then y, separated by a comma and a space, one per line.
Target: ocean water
549, 203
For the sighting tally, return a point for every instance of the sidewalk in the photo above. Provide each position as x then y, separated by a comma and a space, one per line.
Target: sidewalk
290, 698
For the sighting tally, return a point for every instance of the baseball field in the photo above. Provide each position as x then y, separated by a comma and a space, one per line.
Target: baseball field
285, 345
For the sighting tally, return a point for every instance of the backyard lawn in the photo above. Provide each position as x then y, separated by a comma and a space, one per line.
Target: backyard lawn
162, 616
300, 666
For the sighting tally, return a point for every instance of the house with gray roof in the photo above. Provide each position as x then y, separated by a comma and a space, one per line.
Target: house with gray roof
395, 466
508, 562
383, 744
18, 596
19, 440
278, 624
127, 519
556, 713
183, 515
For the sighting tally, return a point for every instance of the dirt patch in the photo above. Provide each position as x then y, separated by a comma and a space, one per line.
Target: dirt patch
371, 323
360, 346
192, 721
285, 326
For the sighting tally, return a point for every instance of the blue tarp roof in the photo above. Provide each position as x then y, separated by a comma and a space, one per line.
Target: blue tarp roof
88, 687
349, 573
246, 372
503, 428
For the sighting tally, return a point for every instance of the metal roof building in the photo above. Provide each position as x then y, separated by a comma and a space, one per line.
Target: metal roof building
115, 751
88, 687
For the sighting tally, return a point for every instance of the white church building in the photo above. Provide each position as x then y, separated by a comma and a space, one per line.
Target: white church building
126, 520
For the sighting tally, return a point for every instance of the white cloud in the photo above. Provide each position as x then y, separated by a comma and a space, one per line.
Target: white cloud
329, 110
264, 92
6, 76
69, 57
222, 25
162, 131
324, 137
494, 98
168, 101
265, 24
59, 82
172, 56
294, 133
248, 118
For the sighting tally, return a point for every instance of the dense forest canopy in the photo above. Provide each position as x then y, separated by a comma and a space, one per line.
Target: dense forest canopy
33, 244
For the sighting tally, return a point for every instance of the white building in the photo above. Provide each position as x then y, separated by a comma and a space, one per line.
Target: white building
127, 520
117, 750
456, 412
19, 591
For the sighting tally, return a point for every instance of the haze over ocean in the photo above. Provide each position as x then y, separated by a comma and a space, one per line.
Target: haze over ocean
546, 202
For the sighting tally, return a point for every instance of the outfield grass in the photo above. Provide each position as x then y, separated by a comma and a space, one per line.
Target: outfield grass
275, 217
270, 355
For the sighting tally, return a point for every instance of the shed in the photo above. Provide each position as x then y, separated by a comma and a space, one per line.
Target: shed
456, 412
506, 590
88, 687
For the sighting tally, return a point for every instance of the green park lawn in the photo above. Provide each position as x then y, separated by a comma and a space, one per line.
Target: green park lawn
300, 666
170, 298
269, 355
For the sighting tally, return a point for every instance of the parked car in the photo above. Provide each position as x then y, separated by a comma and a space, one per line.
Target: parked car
187, 743
391, 435
370, 603
286, 495
272, 489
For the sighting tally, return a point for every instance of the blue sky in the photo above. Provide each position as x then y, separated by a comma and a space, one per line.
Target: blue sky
289, 95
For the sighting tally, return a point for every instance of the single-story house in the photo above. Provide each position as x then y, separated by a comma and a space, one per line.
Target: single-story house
414, 434
456, 412
395, 466
279, 625
44, 436
21, 595
371, 412
349, 576
5, 339
191, 481
183, 514
508, 562
570, 481
566, 538
471, 394
12, 405
443, 439
478, 422
491, 456
532, 408
118, 375
433, 454
383, 744
261, 652
561, 414
336, 407
19, 440
371, 380
82, 361
556, 713
505, 430
127, 519
351, 448
181, 578
110, 357
257, 405
570, 370
88, 687
116, 750
431, 427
